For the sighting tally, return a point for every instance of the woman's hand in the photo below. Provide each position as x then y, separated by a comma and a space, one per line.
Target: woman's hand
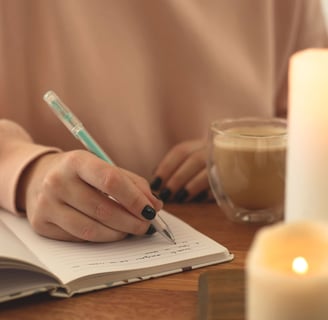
181, 175
65, 196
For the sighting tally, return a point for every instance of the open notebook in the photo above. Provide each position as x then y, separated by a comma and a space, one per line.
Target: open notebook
30, 263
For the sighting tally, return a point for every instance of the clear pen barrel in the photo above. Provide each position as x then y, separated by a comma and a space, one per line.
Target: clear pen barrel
62, 112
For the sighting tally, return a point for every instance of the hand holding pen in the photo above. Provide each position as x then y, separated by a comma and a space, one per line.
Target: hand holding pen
64, 197
81, 176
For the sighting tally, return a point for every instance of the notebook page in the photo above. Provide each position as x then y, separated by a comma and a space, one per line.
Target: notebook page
70, 261
12, 248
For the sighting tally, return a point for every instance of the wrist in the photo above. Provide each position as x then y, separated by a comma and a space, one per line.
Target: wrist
26, 179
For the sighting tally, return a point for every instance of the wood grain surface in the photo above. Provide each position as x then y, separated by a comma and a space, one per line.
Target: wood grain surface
221, 295
170, 297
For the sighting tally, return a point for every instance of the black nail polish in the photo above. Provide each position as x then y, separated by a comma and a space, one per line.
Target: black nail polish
156, 184
165, 194
202, 196
148, 212
151, 230
181, 195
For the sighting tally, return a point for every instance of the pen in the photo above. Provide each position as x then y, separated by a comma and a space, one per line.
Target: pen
76, 127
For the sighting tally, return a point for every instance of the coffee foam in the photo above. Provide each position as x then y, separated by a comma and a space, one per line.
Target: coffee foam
249, 137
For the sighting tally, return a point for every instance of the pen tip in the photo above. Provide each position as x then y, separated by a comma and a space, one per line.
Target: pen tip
169, 236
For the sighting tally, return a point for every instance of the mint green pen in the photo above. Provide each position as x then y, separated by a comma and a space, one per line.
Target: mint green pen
75, 126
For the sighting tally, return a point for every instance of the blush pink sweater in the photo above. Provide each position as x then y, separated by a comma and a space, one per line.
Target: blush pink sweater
142, 75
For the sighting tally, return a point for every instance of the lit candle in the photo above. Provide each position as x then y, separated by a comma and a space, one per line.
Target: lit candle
300, 265
307, 143
287, 272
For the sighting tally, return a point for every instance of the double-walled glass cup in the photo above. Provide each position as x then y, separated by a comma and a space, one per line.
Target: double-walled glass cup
246, 167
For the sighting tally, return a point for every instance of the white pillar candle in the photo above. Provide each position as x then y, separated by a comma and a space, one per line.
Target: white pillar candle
287, 272
307, 156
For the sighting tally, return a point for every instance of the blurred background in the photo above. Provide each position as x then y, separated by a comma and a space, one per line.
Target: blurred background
325, 8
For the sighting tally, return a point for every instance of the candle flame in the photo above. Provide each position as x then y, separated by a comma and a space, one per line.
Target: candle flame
300, 265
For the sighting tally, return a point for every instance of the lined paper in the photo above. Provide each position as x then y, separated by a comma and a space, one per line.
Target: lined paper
69, 261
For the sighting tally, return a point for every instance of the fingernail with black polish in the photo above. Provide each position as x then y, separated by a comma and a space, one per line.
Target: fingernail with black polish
151, 230
202, 196
148, 212
156, 184
181, 195
165, 194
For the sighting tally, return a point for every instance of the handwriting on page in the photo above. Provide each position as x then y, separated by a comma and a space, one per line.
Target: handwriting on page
151, 255
72, 260
138, 253
138, 257
183, 247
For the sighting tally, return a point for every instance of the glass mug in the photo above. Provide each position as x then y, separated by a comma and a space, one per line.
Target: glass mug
246, 167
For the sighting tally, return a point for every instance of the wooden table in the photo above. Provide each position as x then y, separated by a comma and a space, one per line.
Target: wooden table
172, 297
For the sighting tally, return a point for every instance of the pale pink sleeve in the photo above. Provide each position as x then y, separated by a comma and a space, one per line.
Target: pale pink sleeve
17, 150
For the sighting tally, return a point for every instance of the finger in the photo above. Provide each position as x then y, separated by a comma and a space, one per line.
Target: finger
174, 158
112, 181
201, 197
52, 231
101, 208
53, 211
143, 185
84, 228
198, 187
175, 186
42, 216
186, 172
